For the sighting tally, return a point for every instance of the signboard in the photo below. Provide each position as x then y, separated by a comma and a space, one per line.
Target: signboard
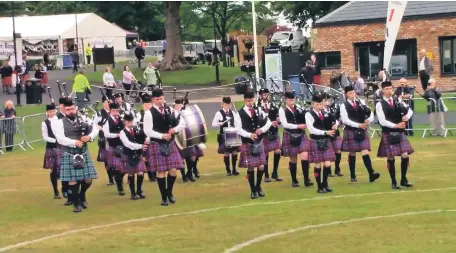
273, 64
394, 16
6, 49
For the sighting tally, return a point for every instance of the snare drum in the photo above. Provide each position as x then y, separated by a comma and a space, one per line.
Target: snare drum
231, 137
195, 130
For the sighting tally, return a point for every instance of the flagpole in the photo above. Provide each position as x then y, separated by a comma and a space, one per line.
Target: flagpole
255, 43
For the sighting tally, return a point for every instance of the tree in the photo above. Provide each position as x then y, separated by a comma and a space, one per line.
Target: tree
299, 12
174, 59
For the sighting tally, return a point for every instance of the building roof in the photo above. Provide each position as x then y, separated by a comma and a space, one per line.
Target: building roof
128, 33
374, 11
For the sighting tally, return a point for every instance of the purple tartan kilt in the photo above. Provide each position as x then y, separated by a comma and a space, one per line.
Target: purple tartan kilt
127, 169
52, 158
386, 150
101, 154
112, 160
319, 156
337, 143
157, 162
270, 146
350, 145
188, 152
289, 150
246, 160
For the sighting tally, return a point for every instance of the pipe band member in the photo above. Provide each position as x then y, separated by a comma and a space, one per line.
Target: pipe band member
102, 151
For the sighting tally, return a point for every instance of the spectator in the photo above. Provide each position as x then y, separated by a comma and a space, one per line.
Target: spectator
425, 69
75, 58
307, 73
108, 82
140, 54
151, 74
43, 69
317, 70
358, 85
88, 52
404, 94
25, 69
38, 73
82, 89
164, 43
8, 125
435, 108
6, 72
46, 59
127, 79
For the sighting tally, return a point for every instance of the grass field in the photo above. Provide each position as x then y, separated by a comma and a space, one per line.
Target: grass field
199, 75
215, 213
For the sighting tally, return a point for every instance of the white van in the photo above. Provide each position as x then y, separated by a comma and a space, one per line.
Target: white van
290, 41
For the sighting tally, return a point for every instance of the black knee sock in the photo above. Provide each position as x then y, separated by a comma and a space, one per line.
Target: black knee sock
119, 180
368, 164
190, 166
276, 164
139, 179
170, 180
392, 170
182, 170
84, 187
404, 168
161, 182
226, 159
110, 175
131, 183
293, 168
266, 167
234, 161
251, 178
53, 177
305, 169
74, 193
352, 165
326, 171
65, 187
195, 164
337, 163
260, 174
150, 174
317, 173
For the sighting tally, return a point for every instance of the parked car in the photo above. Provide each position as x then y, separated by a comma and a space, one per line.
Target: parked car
290, 41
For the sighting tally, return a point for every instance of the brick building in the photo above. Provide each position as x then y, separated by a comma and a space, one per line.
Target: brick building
352, 37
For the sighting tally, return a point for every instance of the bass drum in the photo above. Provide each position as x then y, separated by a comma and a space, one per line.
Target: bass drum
195, 131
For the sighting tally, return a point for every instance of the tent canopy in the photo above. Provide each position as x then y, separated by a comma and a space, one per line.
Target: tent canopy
36, 28
128, 34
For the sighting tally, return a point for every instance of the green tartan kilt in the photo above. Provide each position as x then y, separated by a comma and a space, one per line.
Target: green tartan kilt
68, 173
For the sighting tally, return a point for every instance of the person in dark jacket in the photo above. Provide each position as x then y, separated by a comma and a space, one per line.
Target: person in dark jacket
75, 58
307, 73
435, 108
140, 54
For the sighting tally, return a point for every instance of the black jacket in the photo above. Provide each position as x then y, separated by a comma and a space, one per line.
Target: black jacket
308, 73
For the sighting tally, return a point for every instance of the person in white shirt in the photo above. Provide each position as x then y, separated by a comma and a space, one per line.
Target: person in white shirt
53, 154
76, 166
108, 82
163, 152
320, 147
251, 125
295, 142
393, 117
356, 117
334, 115
132, 157
425, 69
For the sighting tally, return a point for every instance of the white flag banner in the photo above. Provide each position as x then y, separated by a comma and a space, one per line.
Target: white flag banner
394, 16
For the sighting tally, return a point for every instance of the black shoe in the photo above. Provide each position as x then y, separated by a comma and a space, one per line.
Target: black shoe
374, 176
295, 184
84, 204
77, 209
57, 196
164, 202
276, 178
190, 177
331, 175
321, 190
171, 199
141, 195
354, 180
110, 183
65, 194
121, 192
267, 180
261, 193
308, 183
153, 179
406, 184
228, 174
327, 189
196, 173
134, 197
68, 203
184, 179
253, 195
235, 173
339, 174
395, 187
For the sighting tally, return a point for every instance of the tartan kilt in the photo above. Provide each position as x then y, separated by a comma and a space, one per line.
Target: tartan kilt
222, 149
52, 158
320, 156
68, 173
157, 162
112, 160
102, 154
386, 150
44, 79
127, 169
246, 160
289, 150
24, 78
270, 146
7, 81
349, 144
188, 152
337, 143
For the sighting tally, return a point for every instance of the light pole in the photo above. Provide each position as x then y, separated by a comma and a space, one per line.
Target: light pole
14, 34
215, 53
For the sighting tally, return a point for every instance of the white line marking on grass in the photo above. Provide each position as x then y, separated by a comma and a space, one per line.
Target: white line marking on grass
8, 190
267, 236
76, 231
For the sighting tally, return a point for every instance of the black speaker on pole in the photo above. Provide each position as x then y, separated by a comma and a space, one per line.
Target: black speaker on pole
34, 91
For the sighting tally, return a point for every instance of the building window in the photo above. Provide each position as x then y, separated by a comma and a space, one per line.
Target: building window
448, 55
329, 59
369, 58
